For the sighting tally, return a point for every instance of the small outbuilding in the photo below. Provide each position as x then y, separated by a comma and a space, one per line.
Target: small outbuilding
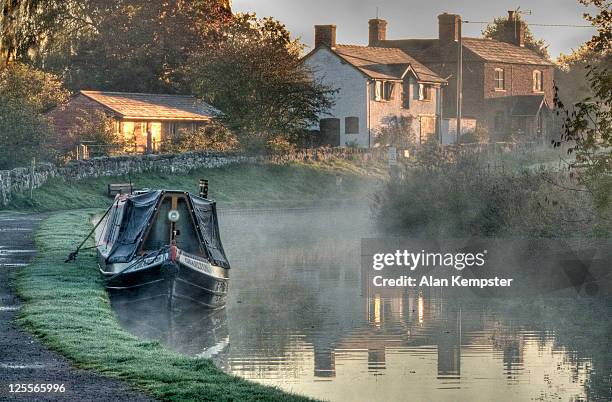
143, 121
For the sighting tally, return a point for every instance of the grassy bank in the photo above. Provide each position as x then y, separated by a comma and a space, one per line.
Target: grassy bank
66, 306
240, 185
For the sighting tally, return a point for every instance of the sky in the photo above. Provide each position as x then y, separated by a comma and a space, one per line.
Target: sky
418, 19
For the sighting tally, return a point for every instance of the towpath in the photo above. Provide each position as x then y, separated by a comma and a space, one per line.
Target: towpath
23, 360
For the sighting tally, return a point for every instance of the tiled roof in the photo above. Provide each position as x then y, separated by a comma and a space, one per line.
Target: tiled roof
431, 51
384, 63
153, 106
502, 52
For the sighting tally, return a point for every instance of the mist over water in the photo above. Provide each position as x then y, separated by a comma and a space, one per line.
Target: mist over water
300, 317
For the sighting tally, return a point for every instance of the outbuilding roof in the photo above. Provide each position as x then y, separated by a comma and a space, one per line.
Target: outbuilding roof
140, 106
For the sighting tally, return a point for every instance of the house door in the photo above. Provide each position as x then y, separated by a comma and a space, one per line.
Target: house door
428, 128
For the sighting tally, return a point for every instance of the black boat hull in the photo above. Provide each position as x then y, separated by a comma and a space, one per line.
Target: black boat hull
171, 280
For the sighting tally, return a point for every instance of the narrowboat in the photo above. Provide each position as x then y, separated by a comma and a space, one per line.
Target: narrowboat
163, 244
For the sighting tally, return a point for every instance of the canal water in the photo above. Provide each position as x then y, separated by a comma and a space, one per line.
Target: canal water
300, 318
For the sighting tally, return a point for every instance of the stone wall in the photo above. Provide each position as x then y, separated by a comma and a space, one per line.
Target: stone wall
23, 180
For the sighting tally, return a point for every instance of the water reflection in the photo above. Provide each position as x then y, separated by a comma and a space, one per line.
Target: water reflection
299, 317
187, 329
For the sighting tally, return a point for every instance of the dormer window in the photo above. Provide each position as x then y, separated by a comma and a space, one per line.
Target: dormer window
383, 90
538, 85
425, 92
499, 78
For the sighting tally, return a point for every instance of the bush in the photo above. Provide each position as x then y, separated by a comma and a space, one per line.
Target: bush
212, 137
93, 127
396, 132
280, 145
478, 135
463, 198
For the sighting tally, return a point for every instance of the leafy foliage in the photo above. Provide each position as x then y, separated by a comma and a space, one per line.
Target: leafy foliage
23, 134
92, 127
571, 73
41, 91
134, 45
255, 76
587, 124
498, 30
463, 196
25, 93
396, 132
212, 137
479, 134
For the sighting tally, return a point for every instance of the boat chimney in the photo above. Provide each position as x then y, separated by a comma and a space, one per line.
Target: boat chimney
203, 188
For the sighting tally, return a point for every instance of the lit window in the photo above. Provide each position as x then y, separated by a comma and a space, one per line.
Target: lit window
499, 79
128, 130
537, 81
351, 125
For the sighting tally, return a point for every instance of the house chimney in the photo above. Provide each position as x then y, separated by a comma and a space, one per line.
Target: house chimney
514, 30
325, 35
378, 31
449, 27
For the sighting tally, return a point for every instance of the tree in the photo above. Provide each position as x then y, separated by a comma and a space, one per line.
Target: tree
571, 77
41, 91
26, 93
127, 45
23, 134
31, 27
142, 45
498, 30
256, 77
587, 124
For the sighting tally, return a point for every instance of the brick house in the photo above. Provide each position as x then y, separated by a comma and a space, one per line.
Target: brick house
136, 116
376, 87
507, 88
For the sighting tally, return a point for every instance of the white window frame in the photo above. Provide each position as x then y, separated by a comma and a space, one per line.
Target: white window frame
538, 81
501, 79
383, 90
388, 88
425, 92
378, 90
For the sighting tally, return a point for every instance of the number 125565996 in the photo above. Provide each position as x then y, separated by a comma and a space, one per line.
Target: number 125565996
36, 388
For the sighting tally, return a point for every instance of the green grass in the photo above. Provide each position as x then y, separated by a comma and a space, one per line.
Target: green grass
234, 186
66, 306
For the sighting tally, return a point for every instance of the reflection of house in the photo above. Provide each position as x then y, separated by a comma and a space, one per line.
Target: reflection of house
136, 116
376, 86
507, 87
